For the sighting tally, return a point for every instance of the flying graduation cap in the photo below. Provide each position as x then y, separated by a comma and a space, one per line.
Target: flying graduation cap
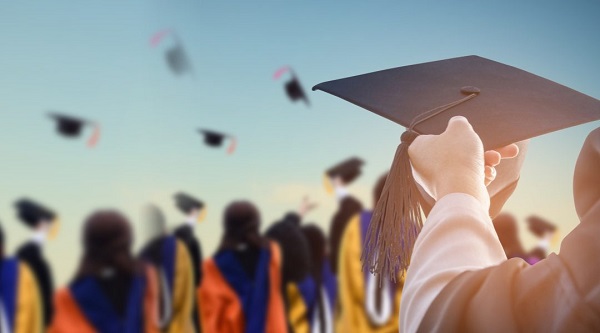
293, 88
348, 170
71, 127
175, 55
504, 105
215, 140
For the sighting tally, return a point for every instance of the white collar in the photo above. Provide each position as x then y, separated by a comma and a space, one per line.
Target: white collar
341, 192
190, 221
39, 237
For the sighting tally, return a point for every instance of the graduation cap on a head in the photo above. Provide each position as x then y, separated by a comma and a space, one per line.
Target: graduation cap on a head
186, 203
504, 105
293, 88
32, 213
539, 226
71, 127
348, 170
175, 56
215, 139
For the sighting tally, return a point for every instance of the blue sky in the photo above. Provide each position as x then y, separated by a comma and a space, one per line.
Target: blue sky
93, 60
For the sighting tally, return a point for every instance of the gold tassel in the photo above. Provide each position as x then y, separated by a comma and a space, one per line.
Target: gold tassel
396, 220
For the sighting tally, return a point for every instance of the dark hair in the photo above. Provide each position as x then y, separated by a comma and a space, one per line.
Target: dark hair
378, 189
107, 241
317, 243
241, 222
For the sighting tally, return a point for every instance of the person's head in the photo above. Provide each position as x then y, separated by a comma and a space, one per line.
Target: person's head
37, 217
241, 223
317, 243
192, 207
378, 189
508, 233
107, 240
154, 222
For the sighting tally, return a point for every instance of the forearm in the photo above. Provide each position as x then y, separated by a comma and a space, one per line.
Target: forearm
458, 236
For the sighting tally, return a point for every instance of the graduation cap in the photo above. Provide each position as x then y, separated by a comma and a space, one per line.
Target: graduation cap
348, 170
539, 226
293, 88
215, 139
186, 203
175, 55
504, 105
71, 127
32, 213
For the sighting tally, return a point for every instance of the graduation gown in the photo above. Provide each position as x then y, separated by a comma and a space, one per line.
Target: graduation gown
312, 303
20, 302
176, 283
31, 254
357, 289
233, 302
185, 233
83, 307
470, 286
348, 207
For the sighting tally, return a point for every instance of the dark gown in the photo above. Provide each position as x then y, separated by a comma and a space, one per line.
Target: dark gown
348, 207
185, 233
31, 253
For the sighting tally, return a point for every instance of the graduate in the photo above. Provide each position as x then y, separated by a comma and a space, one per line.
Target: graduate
462, 115
44, 225
20, 302
241, 287
296, 279
337, 179
367, 304
112, 292
195, 212
322, 301
172, 262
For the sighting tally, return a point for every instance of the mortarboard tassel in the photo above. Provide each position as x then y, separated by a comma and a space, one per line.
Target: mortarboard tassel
232, 146
95, 137
397, 220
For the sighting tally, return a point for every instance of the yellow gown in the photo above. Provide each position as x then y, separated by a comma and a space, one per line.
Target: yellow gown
352, 312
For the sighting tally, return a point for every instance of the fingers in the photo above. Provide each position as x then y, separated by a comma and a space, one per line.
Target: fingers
490, 174
509, 151
459, 123
492, 158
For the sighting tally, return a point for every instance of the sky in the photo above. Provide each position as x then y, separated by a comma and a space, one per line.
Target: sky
93, 59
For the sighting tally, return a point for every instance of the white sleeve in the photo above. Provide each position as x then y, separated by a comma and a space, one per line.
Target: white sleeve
458, 236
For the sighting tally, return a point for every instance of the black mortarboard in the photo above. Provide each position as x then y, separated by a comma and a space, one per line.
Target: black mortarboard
175, 55
293, 87
539, 226
187, 203
504, 105
348, 170
31, 212
215, 139
71, 127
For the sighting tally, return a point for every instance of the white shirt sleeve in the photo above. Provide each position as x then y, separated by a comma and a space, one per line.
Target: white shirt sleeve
458, 236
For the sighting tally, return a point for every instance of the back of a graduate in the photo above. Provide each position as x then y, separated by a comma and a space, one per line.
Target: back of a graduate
112, 292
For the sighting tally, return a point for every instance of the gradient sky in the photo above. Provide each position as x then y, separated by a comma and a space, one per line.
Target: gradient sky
93, 59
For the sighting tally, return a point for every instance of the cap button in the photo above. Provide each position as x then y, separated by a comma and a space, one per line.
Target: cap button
468, 90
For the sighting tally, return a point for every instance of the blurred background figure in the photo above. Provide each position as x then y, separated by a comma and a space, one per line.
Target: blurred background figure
321, 310
367, 304
20, 301
337, 178
241, 288
173, 266
111, 291
297, 285
546, 233
44, 225
195, 212
507, 229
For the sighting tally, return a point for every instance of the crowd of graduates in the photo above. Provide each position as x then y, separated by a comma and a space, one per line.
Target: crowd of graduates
294, 277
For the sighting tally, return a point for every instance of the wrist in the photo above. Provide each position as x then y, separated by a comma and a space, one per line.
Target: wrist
469, 185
